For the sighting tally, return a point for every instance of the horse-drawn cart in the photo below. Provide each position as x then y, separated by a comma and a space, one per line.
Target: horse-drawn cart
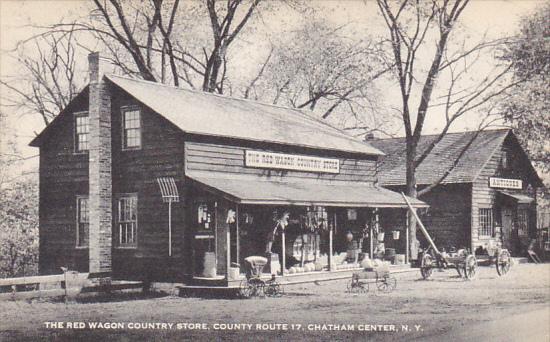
462, 260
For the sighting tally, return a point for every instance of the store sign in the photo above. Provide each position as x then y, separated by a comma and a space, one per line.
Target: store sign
296, 162
505, 183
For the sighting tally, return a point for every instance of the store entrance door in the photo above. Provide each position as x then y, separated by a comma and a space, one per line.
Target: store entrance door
507, 228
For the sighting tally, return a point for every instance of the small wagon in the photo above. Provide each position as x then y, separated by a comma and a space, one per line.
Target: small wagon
381, 277
253, 285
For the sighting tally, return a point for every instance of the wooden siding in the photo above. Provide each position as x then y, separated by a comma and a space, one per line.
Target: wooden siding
229, 160
447, 219
63, 176
135, 171
485, 197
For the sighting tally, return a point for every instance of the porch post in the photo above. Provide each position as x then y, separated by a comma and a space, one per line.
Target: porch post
371, 242
330, 249
283, 257
237, 238
227, 249
407, 247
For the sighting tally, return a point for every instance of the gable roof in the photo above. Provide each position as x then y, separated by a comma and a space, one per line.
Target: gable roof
392, 169
215, 115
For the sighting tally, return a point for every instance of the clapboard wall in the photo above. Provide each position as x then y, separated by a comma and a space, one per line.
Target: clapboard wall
227, 158
63, 176
484, 196
135, 172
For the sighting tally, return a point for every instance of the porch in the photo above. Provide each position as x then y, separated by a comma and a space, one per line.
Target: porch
310, 232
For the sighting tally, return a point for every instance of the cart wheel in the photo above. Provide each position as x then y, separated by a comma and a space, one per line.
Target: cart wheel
356, 286
503, 262
426, 266
470, 265
386, 284
273, 290
245, 289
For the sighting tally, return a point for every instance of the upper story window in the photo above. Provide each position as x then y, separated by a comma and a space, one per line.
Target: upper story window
82, 221
131, 128
82, 131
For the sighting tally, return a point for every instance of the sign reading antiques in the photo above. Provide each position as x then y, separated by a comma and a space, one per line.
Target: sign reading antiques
285, 161
505, 183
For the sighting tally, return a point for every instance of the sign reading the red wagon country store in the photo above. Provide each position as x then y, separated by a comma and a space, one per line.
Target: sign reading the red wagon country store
505, 183
269, 160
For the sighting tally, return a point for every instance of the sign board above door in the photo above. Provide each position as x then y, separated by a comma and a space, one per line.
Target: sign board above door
269, 160
505, 183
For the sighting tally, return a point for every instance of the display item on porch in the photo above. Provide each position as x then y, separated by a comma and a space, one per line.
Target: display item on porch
209, 265
389, 254
366, 263
352, 214
234, 273
204, 216
273, 265
399, 259
395, 234
280, 224
230, 216
379, 251
381, 237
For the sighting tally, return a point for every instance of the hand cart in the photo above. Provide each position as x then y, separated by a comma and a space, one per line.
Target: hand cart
380, 276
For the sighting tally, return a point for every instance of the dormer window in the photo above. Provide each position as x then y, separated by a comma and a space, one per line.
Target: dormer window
131, 129
82, 131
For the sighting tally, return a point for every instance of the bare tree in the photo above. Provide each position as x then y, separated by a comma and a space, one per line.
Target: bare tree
319, 67
412, 26
47, 82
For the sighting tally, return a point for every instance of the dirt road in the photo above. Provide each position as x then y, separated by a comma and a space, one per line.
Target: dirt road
511, 308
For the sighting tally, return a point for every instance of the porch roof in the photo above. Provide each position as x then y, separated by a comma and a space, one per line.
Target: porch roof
254, 191
520, 198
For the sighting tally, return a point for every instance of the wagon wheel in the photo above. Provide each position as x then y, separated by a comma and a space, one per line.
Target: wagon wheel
426, 266
386, 284
503, 262
245, 289
273, 290
470, 266
356, 286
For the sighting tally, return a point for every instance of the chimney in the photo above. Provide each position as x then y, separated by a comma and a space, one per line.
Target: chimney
100, 177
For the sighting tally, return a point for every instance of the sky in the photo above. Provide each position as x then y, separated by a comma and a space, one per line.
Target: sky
496, 18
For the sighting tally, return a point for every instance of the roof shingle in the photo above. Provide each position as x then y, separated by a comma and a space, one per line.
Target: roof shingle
209, 114
392, 169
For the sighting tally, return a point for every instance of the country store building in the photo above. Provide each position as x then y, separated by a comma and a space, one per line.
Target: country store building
141, 180
489, 194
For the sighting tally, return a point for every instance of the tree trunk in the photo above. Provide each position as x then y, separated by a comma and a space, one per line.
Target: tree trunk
411, 192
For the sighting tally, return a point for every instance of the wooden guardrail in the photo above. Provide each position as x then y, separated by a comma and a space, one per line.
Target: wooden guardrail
69, 284
40, 286
49, 279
